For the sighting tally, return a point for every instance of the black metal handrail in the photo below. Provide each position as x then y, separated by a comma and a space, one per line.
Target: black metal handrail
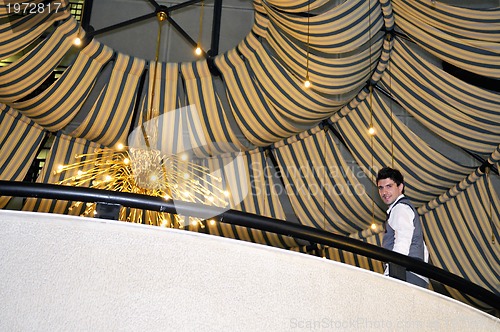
80, 194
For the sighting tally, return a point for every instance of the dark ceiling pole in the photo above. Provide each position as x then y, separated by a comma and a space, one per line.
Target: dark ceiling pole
155, 4
167, 10
183, 4
87, 10
214, 46
122, 24
183, 33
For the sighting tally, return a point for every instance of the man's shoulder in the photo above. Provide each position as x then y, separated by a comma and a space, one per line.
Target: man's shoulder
402, 206
403, 200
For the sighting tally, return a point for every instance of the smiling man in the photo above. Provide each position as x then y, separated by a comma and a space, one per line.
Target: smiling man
403, 230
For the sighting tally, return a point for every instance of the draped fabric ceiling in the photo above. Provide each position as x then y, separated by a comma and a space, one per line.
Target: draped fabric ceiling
259, 106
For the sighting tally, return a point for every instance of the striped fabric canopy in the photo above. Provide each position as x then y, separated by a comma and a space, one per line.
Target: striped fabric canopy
63, 151
410, 151
21, 32
20, 139
466, 38
370, 61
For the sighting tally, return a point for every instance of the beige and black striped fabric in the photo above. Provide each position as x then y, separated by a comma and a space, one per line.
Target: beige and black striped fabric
427, 172
463, 114
72, 89
20, 139
466, 38
118, 98
323, 189
63, 152
461, 229
20, 32
248, 179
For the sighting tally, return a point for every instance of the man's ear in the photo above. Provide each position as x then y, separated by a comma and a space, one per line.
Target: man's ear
401, 188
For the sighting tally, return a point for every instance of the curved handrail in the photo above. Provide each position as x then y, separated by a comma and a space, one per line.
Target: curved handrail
81, 194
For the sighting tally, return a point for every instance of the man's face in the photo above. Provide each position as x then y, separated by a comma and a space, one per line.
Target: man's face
389, 191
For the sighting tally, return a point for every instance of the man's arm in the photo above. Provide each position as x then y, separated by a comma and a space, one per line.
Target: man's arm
401, 220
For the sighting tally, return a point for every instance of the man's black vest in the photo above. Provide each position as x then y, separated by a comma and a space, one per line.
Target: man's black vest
417, 240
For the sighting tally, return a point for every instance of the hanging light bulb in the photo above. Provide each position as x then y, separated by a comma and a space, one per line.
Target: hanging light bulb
307, 83
372, 130
198, 51
78, 40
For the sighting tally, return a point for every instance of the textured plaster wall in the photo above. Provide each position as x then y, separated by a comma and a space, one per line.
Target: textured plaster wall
62, 273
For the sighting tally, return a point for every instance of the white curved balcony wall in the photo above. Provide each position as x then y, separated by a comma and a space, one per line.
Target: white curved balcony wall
72, 274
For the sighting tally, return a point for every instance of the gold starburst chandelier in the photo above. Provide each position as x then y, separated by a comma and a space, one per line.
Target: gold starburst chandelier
147, 172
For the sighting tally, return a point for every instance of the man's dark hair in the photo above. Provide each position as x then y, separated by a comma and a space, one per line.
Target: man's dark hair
390, 173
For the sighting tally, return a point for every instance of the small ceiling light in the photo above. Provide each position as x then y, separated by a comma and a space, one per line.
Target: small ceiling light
307, 83
78, 40
198, 51
372, 130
